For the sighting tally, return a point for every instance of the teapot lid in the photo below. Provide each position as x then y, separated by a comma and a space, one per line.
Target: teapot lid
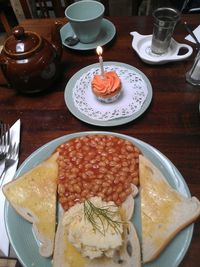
22, 43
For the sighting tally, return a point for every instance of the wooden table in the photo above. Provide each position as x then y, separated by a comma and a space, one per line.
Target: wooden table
171, 123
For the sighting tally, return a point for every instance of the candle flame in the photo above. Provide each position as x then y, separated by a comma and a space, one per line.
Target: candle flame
99, 50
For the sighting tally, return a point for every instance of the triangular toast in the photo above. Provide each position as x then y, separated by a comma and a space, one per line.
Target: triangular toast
33, 196
164, 211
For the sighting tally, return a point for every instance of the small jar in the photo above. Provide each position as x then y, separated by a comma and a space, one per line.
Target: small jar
193, 75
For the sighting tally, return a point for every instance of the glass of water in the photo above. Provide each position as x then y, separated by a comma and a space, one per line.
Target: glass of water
165, 20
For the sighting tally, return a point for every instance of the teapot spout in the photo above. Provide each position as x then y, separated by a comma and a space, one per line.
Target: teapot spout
56, 38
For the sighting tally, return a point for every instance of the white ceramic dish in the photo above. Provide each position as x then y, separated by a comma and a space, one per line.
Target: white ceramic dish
106, 34
142, 45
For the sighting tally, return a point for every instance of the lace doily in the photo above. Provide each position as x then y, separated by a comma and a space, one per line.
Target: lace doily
132, 97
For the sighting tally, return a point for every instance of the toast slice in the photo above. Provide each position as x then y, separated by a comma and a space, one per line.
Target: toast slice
164, 211
33, 196
129, 255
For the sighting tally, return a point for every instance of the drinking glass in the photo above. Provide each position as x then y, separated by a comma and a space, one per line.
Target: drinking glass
165, 20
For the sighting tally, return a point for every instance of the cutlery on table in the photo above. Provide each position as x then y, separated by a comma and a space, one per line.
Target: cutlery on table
7, 177
10, 159
4, 140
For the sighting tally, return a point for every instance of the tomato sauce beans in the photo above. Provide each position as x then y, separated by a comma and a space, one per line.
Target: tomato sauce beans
96, 165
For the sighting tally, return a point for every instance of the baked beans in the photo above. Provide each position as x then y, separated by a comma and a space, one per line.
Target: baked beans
96, 165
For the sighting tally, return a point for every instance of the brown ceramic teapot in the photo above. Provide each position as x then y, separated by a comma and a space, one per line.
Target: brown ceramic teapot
29, 62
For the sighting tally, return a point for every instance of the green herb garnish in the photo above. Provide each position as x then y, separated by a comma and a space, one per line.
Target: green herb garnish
101, 218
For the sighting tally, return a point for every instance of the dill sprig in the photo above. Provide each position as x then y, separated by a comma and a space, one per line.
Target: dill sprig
105, 216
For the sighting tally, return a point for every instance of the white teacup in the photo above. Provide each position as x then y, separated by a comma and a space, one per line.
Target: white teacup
85, 18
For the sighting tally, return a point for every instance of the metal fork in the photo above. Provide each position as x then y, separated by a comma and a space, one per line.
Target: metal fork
4, 140
10, 159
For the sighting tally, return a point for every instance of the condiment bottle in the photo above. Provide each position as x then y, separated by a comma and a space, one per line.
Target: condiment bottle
193, 75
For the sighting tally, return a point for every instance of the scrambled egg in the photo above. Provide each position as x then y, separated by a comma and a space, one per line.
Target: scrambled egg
82, 234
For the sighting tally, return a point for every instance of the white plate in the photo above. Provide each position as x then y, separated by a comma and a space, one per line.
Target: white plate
106, 34
74, 110
142, 45
20, 231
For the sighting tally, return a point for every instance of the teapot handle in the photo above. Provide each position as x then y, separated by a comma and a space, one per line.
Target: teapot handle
56, 38
3, 63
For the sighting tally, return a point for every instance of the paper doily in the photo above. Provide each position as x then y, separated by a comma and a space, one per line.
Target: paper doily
133, 95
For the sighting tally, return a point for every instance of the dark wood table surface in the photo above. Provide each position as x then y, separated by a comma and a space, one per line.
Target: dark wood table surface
171, 123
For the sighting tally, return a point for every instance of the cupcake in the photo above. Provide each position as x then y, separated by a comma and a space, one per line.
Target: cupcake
107, 88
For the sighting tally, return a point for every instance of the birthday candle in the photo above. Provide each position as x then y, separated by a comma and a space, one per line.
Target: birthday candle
99, 52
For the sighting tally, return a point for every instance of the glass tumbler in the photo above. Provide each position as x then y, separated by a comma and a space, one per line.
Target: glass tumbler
165, 20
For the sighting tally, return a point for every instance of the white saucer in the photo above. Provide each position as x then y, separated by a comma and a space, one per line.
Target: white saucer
142, 45
106, 34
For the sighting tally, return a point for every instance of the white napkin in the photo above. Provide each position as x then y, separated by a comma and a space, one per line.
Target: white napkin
196, 33
4, 242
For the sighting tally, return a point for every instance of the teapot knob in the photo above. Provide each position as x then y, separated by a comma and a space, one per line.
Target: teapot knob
18, 32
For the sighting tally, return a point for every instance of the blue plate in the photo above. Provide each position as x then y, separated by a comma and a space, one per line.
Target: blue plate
106, 34
20, 231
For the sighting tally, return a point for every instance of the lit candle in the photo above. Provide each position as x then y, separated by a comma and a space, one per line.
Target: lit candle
99, 52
